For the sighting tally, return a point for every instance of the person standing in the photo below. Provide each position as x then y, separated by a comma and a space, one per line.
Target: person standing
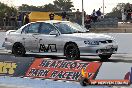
51, 16
64, 15
94, 16
98, 14
26, 20
87, 22
19, 20
78, 17
124, 15
13, 19
6, 19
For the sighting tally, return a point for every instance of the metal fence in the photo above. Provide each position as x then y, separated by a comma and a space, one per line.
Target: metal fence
105, 23
8, 25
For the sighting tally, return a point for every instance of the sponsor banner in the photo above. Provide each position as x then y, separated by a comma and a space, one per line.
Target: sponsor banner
62, 69
14, 66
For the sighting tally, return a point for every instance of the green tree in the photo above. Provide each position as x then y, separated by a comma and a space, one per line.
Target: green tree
49, 7
63, 5
116, 11
6, 9
24, 7
58, 5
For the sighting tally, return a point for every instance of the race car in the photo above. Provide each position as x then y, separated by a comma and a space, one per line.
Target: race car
64, 38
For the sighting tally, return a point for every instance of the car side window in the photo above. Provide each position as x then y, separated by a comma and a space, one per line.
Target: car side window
31, 28
25, 29
46, 28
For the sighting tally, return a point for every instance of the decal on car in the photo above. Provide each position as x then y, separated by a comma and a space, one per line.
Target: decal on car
49, 48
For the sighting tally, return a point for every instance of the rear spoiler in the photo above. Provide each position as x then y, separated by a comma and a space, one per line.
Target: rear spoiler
8, 32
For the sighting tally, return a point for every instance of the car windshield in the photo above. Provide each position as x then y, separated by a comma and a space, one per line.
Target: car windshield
69, 28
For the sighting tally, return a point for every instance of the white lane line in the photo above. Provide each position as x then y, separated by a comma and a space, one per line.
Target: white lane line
12, 86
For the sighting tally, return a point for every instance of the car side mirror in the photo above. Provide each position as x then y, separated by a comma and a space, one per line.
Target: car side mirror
54, 33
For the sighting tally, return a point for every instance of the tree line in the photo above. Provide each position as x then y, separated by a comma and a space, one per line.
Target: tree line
58, 5
116, 11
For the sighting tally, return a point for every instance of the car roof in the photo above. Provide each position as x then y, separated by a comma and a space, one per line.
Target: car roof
52, 21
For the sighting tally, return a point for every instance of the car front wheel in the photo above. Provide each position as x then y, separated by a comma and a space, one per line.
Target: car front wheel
72, 52
18, 49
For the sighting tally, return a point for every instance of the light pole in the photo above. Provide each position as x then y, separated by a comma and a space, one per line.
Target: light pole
103, 8
82, 14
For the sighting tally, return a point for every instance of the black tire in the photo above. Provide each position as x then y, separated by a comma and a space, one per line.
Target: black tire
84, 82
72, 52
18, 49
105, 57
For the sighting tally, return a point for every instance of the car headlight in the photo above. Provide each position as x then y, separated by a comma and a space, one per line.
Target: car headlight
92, 42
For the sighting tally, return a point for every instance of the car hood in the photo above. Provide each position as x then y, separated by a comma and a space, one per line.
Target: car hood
93, 36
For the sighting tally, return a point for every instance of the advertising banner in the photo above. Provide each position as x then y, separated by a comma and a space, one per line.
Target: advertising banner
14, 66
61, 69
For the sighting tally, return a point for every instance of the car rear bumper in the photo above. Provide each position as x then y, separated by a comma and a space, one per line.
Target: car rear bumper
8, 45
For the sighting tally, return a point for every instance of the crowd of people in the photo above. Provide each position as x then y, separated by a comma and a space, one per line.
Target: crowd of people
23, 18
94, 17
64, 16
16, 20
126, 15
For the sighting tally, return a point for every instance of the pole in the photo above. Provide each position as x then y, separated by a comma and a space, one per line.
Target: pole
82, 14
103, 8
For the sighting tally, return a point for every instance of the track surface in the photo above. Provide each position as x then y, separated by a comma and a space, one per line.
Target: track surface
121, 60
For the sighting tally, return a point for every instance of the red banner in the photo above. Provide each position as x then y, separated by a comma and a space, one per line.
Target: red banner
61, 69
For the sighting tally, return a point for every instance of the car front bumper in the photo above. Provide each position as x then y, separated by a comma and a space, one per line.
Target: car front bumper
98, 49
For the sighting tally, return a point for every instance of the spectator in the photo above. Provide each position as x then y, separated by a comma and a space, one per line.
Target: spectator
124, 13
51, 16
64, 15
98, 14
26, 20
129, 14
19, 20
94, 16
78, 17
6, 19
13, 19
87, 22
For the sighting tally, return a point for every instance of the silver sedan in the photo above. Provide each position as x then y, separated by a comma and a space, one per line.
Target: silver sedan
59, 38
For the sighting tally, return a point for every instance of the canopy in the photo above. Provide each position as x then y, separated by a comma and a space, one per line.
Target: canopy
42, 16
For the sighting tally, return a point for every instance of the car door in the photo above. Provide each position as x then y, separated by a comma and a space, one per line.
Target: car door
48, 43
30, 37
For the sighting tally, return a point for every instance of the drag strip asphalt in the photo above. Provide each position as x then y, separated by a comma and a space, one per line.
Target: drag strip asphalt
115, 58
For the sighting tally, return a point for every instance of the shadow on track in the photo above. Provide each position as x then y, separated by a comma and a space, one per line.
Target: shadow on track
112, 59
120, 60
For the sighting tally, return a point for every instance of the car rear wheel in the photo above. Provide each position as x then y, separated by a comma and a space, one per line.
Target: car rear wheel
105, 57
72, 52
18, 49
